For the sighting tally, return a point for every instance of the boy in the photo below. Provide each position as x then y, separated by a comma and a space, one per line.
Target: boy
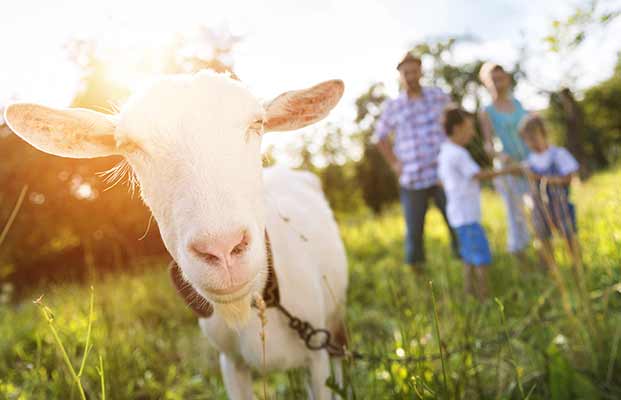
550, 170
460, 176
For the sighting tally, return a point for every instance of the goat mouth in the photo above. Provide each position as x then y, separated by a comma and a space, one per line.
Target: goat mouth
230, 294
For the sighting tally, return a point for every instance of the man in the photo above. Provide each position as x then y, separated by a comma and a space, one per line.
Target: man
414, 117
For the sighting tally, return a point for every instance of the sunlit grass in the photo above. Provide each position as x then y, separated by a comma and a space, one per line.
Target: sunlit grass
145, 344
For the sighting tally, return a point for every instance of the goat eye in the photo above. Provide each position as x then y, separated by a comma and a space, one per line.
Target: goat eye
256, 126
128, 146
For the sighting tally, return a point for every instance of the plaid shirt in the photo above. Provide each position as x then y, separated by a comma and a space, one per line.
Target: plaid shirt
418, 135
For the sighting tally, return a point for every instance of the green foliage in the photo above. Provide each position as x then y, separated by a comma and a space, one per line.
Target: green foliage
151, 347
601, 136
338, 176
376, 180
587, 17
461, 81
146, 354
601, 106
565, 382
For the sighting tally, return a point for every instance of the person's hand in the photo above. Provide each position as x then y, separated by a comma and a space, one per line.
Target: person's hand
518, 168
514, 169
489, 149
531, 175
505, 167
504, 158
397, 167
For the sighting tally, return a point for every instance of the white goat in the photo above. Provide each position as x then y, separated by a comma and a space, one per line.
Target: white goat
193, 142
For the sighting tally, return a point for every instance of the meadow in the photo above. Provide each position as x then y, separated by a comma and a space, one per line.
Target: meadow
419, 340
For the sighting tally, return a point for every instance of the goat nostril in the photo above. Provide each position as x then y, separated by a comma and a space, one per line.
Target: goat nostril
237, 250
208, 257
242, 245
220, 248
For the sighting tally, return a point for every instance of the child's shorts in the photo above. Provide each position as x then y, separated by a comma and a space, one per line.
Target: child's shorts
473, 245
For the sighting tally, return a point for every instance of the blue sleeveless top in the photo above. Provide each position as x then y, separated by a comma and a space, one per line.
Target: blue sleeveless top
506, 129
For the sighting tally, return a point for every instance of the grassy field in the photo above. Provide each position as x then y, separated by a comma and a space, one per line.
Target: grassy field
522, 345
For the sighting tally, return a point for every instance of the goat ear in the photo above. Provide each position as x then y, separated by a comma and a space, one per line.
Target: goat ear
75, 133
299, 108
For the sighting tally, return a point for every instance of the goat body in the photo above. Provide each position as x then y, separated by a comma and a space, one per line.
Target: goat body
311, 268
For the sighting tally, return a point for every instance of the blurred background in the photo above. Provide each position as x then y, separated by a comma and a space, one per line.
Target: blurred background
564, 57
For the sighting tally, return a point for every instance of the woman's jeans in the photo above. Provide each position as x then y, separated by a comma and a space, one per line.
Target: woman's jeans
415, 203
512, 190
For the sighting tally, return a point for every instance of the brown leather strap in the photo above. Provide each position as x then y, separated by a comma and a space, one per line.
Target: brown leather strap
271, 292
203, 308
197, 303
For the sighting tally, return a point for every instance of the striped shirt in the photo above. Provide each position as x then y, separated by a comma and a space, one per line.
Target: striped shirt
418, 135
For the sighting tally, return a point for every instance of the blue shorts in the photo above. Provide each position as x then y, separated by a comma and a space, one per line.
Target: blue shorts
473, 246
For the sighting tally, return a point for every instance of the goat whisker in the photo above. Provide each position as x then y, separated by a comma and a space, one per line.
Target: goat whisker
118, 173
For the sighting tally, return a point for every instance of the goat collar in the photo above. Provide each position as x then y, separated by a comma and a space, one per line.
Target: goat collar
203, 308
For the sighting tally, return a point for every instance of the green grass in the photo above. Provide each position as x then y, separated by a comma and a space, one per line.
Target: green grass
146, 341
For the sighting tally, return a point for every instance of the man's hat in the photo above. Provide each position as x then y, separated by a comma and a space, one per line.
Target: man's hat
408, 57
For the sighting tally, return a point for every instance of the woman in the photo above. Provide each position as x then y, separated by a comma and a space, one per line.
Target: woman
499, 122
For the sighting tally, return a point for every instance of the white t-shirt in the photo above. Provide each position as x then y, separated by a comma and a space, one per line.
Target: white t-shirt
456, 169
564, 162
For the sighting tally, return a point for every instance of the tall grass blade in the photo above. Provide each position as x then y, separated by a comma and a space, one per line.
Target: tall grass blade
518, 377
9, 222
613, 355
439, 338
87, 345
49, 317
102, 379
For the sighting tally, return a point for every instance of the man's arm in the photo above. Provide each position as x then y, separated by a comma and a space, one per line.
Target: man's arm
381, 137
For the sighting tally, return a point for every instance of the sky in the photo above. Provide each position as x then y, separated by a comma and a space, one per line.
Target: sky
293, 44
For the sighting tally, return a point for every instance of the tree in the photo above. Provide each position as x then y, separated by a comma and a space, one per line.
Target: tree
591, 127
338, 176
376, 180
569, 114
601, 104
461, 81
583, 131
587, 18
